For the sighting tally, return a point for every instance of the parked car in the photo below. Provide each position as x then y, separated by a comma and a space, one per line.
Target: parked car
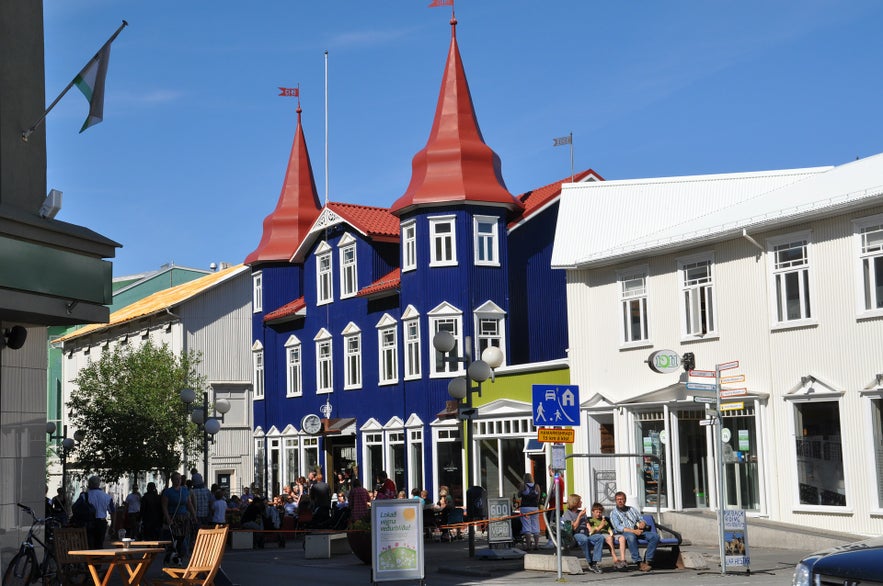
854, 563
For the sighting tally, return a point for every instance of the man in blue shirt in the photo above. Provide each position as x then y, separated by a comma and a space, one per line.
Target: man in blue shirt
629, 524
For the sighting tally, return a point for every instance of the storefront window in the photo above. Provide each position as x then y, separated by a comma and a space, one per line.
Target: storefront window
449, 452
693, 446
651, 436
819, 454
292, 461
739, 437
877, 414
502, 465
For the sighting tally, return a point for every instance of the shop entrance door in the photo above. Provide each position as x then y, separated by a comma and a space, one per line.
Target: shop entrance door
693, 447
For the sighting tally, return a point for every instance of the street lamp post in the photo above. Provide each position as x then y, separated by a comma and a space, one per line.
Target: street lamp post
209, 425
67, 445
461, 388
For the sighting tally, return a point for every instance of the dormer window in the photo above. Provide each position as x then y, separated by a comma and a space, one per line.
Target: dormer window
324, 283
443, 245
348, 274
409, 246
486, 241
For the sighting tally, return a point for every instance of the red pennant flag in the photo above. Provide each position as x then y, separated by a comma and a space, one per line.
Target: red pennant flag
289, 92
437, 3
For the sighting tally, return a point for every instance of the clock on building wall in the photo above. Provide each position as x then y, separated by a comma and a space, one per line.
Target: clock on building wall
311, 424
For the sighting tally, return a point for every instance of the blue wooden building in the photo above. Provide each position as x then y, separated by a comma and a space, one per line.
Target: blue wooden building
347, 299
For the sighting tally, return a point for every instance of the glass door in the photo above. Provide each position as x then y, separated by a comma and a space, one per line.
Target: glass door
693, 461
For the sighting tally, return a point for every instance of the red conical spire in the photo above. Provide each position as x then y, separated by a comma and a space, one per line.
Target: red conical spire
297, 208
455, 165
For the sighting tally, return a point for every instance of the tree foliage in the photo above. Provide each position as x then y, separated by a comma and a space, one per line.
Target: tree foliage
128, 404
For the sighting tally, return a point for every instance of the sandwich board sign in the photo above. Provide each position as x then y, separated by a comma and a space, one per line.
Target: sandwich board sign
397, 540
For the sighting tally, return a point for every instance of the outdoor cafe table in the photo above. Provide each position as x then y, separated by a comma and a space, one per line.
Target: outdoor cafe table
135, 560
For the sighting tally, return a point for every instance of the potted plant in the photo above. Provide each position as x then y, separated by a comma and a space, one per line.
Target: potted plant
359, 538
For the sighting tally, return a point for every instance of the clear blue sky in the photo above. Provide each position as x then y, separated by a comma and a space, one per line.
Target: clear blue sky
191, 154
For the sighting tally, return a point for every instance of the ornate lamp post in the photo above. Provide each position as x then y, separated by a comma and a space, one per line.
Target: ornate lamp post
209, 425
67, 446
461, 388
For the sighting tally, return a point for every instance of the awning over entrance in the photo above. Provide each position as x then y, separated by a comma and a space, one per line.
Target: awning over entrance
339, 426
677, 392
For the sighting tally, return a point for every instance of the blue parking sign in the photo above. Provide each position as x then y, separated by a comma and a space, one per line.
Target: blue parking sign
555, 405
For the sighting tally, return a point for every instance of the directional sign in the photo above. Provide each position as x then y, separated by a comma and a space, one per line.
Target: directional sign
701, 387
555, 405
728, 365
725, 393
738, 378
732, 406
706, 400
553, 435
705, 422
703, 373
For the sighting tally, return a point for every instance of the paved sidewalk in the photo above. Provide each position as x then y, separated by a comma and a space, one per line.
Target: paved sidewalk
448, 564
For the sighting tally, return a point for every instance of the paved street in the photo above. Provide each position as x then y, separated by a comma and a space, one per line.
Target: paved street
448, 564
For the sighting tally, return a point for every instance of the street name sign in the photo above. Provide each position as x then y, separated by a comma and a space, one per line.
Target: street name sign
738, 378
706, 400
728, 365
701, 387
725, 393
703, 373
553, 435
706, 422
732, 406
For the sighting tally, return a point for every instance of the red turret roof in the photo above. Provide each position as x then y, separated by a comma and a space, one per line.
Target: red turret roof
297, 209
455, 165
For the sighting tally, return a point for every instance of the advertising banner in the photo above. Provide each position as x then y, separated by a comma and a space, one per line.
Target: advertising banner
397, 540
736, 539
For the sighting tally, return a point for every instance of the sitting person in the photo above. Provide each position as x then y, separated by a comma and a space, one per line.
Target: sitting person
628, 523
253, 518
583, 534
601, 525
219, 508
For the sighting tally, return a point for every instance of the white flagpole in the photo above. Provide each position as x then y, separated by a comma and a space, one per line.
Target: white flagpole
571, 157
326, 127
26, 134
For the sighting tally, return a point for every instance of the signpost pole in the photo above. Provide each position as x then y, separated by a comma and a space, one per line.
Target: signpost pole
721, 500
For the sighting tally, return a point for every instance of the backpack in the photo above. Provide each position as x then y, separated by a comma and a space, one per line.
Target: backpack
83, 512
530, 497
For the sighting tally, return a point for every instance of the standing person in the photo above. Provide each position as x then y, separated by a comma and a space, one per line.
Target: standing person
202, 499
386, 486
627, 521
246, 498
219, 508
583, 533
358, 499
133, 512
529, 493
151, 513
103, 504
321, 493
59, 507
179, 514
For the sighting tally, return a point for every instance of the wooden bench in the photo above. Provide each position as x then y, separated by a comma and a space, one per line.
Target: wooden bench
320, 545
668, 539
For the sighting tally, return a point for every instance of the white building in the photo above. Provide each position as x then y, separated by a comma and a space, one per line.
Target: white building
781, 271
210, 315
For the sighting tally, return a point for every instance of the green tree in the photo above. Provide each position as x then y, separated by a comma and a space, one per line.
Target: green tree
128, 404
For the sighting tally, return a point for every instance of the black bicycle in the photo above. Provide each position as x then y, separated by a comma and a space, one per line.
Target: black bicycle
25, 568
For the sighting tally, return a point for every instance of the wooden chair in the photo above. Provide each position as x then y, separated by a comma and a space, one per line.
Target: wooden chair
71, 569
204, 561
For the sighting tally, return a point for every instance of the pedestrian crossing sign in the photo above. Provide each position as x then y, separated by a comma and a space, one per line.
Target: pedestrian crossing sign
555, 405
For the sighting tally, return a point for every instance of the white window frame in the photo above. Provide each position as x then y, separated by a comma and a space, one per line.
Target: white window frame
257, 297
411, 335
641, 295
324, 362
693, 292
293, 367
446, 316
387, 350
257, 355
487, 243
780, 271
409, 246
352, 357
867, 304
349, 276
442, 245
483, 315
324, 275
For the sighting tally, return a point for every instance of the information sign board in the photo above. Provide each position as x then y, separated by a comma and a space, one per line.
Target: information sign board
555, 405
564, 435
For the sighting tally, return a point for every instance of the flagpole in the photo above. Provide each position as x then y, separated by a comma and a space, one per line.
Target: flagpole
326, 127
25, 134
571, 157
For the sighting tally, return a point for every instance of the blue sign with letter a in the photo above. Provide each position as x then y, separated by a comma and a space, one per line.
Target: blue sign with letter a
555, 405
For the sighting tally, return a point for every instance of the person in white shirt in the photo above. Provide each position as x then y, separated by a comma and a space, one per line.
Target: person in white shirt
133, 513
103, 504
219, 508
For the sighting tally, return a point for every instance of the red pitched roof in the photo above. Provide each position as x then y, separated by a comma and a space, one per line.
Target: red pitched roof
375, 223
288, 310
536, 199
455, 165
387, 282
297, 208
